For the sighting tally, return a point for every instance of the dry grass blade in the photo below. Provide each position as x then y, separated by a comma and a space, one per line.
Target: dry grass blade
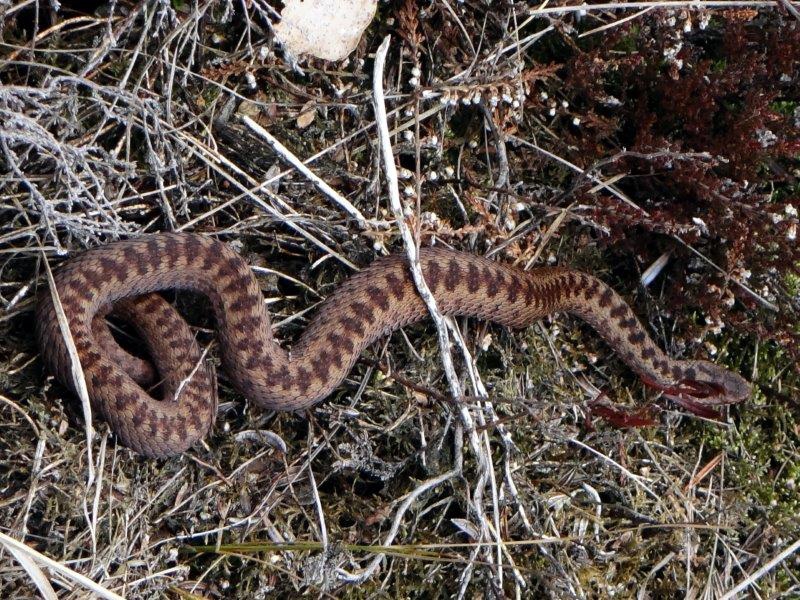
30, 558
32, 569
77, 372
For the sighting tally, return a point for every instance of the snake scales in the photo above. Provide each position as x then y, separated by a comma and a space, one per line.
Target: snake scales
122, 277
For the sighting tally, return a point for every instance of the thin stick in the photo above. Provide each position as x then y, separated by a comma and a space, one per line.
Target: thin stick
700, 4
298, 164
411, 246
786, 553
425, 293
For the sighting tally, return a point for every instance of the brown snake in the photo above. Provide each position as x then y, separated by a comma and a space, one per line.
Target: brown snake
122, 277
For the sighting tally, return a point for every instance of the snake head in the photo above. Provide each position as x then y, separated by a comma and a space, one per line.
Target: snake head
705, 385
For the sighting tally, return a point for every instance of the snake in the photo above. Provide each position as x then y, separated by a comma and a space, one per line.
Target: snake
161, 408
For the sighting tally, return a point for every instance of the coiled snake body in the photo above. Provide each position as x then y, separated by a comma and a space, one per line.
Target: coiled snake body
123, 277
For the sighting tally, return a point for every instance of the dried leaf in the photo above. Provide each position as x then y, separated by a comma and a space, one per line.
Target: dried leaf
307, 114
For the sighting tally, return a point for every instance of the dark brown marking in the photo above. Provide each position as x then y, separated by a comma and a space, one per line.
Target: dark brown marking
513, 290
303, 379
153, 251
180, 422
228, 268
105, 371
282, 380
572, 281
90, 359
340, 343
138, 418
530, 291
233, 284
433, 275
134, 259
194, 246
453, 276
321, 365
550, 289
378, 296
243, 345
108, 268
396, 286
249, 323
591, 291
171, 251
351, 325
363, 312
244, 302
605, 298
619, 311
637, 337
210, 262
492, 284
473, 278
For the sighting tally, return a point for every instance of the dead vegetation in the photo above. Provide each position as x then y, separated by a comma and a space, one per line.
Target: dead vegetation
626, 142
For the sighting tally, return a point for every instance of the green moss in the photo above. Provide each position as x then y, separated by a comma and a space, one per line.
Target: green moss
784, 107
629, 44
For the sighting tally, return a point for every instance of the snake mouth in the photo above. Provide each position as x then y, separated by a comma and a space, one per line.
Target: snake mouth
703, 398
699, 397
705, 391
